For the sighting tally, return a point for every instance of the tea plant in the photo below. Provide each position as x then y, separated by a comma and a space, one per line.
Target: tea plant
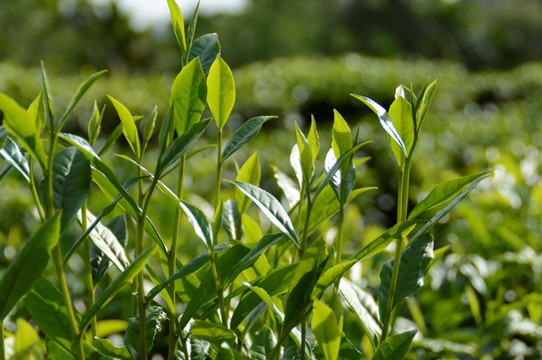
261, 289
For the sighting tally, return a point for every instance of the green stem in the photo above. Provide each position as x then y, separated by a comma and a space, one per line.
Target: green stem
88, 270
172, 259
306, 226
142, 309
303, 338
218, 168
2, 350
34, 191
402, 208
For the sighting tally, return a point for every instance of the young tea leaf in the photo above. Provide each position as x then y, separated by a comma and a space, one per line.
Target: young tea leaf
188, 96
401, 116
341, 135
129, 127
250, 173
13, 155
395, 347
313, 139
327, 329
178, 24
221, 91
244, 134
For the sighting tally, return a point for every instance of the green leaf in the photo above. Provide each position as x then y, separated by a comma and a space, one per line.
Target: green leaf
313, 139
413, 267
46, 305
192, 27
129, 127
71, 182
445, 191
83, 88
214, 333
385, 120
167, 130
6, 170
295, 163
94, 124
397, 231
401, 115
251, 229
342, 191
305, 153
177, 22
36, 112
26, 338
231, 221
105, 346
28, 265
265, 243
24, 128
263, 343
107, 242
155, 318
111, 140
244, 134
191, 267
201, 225
148, 129
368, 322
250, 173
341, 135
423, 102
13, 155
220, 91
271, 208
181, 145
207, 48
288, 187
188, 96
116, 285
326, 329
395, 347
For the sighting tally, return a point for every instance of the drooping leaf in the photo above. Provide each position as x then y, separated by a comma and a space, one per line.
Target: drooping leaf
401, 116
212, 332
155, 317
13, 155
385, 120
200, 223
81, 91
28, 265
244, 134
23, 127
231, 221
116, 285
265, 243
207, 48
368, 322
181, 145
220, 91
188, 96
445, 191
107, 242
395, 347
413, 267
129, 128
250, 173
46, 305
71, 182
178, 24
271, 208
327, 329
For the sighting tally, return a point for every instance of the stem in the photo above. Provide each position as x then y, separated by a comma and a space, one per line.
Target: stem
402, 208
2, 350
34, 191
88, 270
142, 309
303, 338
173, 337
218, 168
306, 226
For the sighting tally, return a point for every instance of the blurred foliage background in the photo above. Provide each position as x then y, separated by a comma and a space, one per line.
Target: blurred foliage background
295, 58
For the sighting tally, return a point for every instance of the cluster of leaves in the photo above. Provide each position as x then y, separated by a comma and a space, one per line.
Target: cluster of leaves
261, 289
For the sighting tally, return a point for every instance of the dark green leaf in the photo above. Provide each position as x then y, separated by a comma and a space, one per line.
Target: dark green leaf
214, 333
116, 285
13, 155
398, 231
188, 96
181, 145
395, 347
200, 223
71, 182
413, 267
100, 263
28, 265
83, 88
155, 317
231, 221
207, 48
271, 208
262, 344
342, 191
445, 191
244, 134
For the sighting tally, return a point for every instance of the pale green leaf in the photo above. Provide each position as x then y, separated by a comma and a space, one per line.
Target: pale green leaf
250, 173
129, 127
326, 329
220, 91
341, 135
177, 22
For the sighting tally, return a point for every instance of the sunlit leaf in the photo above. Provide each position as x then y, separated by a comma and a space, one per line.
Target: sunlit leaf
129, 127
250, 173
220, 91
395, 347
200, 223
326, 329
178, 24
13, 155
